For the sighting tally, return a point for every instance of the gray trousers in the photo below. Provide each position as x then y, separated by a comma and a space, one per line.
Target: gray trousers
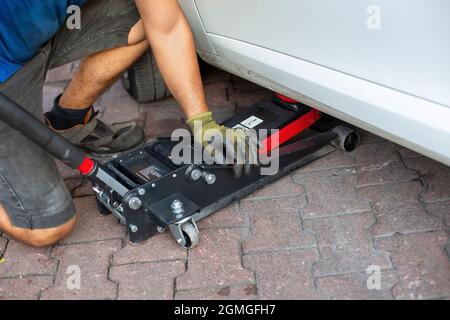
31, 188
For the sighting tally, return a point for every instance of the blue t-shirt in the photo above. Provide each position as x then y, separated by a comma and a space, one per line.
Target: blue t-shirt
26, 25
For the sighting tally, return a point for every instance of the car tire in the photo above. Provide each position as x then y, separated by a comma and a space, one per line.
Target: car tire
144, 81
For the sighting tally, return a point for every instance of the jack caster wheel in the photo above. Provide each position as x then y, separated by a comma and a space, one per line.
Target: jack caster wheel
347, 139
191, 235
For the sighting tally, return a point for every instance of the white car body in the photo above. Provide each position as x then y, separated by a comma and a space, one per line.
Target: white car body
381, 65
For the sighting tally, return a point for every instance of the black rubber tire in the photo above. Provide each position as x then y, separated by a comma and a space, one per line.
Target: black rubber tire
144, 81
191, 235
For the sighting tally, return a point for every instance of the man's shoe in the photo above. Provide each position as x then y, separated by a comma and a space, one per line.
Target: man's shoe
100, 139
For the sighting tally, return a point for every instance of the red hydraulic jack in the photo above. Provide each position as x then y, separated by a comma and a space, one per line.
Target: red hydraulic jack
148, 193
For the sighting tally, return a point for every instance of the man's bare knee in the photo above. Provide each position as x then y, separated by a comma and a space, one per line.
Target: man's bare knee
47, 237
37, 237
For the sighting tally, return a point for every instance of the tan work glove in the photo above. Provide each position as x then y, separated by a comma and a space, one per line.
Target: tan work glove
224, 144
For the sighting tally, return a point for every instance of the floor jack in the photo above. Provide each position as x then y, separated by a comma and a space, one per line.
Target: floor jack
149, 194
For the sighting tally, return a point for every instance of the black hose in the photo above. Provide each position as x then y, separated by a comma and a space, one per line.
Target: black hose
35, 130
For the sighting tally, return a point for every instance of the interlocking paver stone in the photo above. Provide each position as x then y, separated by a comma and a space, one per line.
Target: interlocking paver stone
162, 118
163, 127
436, 176
24, 288
73, 183
79, 187
84, 189
216, 94
345, 244
158, 248
216, 262
422, 263
116, 90
284, 187
380, 163
293, 203
275, 224
356, 286
367, 137
398, 209
91, 226
406, 153
163, 109
285, 274
334, 160
144, 281
228, 217
22, 260
330, 192
441, 210
92, 259
241, 292
119, 109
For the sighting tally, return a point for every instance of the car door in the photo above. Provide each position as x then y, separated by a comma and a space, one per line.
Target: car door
400, 44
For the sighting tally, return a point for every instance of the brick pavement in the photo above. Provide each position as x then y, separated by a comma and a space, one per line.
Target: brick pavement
311, 235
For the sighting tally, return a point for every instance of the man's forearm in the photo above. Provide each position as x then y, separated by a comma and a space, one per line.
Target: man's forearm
173, 46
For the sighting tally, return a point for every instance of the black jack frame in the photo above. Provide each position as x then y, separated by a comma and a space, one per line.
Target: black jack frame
149, 194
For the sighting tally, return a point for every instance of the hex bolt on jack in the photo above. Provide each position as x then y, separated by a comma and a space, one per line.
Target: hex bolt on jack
177, 208
134, 203
194, 173
210, 178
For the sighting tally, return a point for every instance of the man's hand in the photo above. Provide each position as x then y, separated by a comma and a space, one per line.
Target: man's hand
225, 145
